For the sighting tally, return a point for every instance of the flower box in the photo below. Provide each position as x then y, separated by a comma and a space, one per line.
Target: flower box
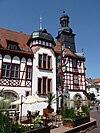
71, 124
81, 121
40, 130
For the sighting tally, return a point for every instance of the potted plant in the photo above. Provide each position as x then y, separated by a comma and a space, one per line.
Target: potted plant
49, 109
68, 116
37, 122
72, 117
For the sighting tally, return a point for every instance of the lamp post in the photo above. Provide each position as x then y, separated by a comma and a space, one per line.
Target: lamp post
21, 106
61, 75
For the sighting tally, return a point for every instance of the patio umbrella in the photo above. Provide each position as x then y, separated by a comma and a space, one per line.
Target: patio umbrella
40, 99
29, 100
33, 99
97, 98
1, 98
18, 102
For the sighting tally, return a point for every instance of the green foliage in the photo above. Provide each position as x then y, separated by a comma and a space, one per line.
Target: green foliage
72, 114
50, 99
85, 109
6, 126
4, 104
37, 120
68, 114
91, 96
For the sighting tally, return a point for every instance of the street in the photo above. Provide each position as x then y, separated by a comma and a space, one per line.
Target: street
96, 115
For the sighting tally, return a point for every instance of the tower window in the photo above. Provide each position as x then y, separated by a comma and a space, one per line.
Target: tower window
40, 61
75, 79
49, 85
44, 85
74, 63
49, 62
45, 61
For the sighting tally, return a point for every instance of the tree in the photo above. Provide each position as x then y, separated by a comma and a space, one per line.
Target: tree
91, 96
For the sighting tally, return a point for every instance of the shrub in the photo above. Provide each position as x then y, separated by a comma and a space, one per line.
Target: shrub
85, 109
72, 114
6, 126
68, 114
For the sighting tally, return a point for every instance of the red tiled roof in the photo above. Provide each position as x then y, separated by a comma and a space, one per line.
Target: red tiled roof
90, 80
96, 80
19, 37
68, 52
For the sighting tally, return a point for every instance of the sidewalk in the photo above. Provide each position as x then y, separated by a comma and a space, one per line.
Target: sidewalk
60, 129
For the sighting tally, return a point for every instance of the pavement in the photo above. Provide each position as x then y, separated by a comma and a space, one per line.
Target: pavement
96, 115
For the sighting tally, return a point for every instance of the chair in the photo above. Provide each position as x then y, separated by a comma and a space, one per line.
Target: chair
29, 116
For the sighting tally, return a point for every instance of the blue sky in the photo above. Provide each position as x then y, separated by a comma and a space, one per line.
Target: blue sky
23, 15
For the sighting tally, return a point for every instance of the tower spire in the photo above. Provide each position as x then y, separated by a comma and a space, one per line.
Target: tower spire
40, 23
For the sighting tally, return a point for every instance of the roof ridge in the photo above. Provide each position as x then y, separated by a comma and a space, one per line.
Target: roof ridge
14, 31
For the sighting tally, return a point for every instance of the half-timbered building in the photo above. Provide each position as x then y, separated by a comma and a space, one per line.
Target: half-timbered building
71, 78
15, 63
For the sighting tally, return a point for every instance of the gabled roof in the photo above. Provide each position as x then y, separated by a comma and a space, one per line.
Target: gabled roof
96, 80
93, 81
19, 37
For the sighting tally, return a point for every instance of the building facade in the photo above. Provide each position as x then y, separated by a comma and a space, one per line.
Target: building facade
71, 76
36, 64
93, 86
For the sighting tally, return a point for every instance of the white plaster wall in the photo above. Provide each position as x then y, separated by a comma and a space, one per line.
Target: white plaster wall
39, 73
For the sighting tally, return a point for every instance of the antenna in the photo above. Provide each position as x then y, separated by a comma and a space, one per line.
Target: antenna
40, 23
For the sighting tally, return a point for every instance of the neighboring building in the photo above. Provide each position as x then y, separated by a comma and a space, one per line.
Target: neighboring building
71, 71
93, 86
16, 61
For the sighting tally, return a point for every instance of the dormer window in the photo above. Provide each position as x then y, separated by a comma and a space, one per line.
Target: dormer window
12, 45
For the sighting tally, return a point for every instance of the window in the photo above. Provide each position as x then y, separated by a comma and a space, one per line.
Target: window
15, 71
40, 61
49, 62
27, 93
45, 61
29, 73
74, 63
6, 70
49, 85
12, 46
44, 85
75, 79
39, 85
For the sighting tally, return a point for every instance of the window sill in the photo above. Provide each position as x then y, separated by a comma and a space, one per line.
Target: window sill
46, 69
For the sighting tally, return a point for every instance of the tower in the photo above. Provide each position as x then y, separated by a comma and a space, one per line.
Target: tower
66, 33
